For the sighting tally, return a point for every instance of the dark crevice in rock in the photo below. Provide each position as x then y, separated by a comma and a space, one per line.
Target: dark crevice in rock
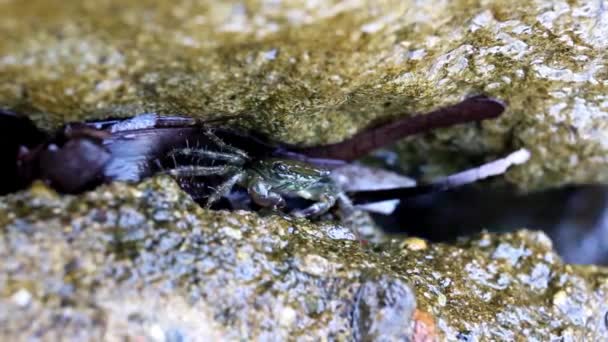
574, 217
76, 159
16, 132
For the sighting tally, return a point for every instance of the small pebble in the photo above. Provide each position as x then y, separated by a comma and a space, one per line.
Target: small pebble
559, 298
414, 244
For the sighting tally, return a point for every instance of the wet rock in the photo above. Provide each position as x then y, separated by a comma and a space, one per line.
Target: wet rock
319, 73
101, 266
144, 261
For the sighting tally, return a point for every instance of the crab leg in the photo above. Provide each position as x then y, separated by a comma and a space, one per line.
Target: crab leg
209, 154
224, 188
219, 142
198, 171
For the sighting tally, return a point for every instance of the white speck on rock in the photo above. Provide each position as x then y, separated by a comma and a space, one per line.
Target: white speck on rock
317, 265
492, 86
232, 233
590, 120
417, 55
108, 85
483, 19
271, 54
511, 47
22, 298
372, 27
337, 79
510, 253
556, 111
459, 65
484, 276
547, 19
592, 22
538, 278
237, 21
521, 28
287, 317
453, 61
157, 333
378, 25
567, 75
336, 232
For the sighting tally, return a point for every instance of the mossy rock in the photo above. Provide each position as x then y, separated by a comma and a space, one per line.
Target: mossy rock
319, 72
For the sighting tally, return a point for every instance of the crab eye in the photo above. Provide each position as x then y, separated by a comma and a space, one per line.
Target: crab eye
280, 167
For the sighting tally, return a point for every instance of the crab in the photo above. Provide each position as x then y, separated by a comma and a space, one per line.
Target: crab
269, 181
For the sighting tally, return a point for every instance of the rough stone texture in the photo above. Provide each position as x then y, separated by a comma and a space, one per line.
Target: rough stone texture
312, 72
506, 288
146, 261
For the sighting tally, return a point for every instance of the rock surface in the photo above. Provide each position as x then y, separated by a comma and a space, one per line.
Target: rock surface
146, 261
317, 72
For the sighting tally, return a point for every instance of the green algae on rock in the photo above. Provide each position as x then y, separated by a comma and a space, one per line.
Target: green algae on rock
146, 261
317, 72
